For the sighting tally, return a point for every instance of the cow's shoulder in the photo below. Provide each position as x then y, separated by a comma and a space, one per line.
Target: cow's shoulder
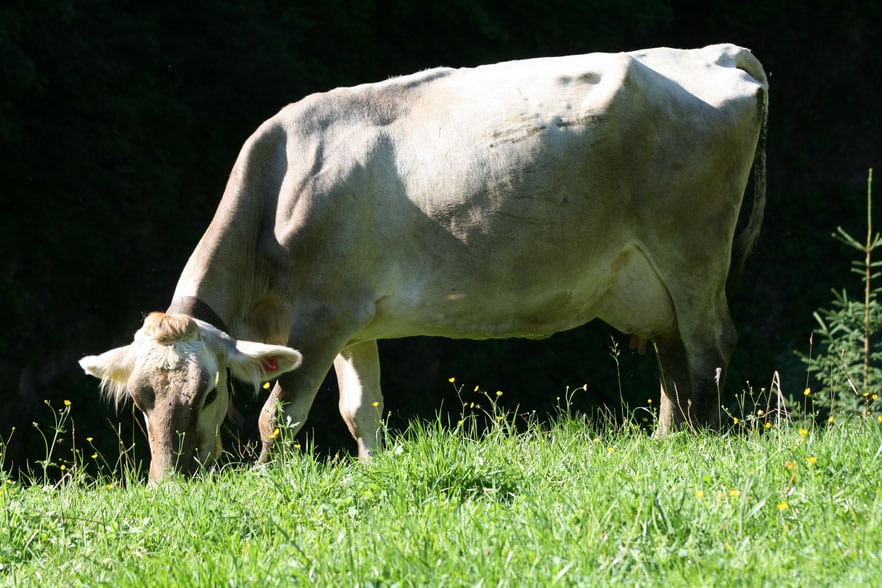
375, 104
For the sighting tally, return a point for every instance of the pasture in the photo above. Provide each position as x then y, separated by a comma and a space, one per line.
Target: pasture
494, 499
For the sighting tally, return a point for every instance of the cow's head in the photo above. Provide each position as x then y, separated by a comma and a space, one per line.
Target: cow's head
176, 372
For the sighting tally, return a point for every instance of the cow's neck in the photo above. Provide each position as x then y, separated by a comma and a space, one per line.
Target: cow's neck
220, 282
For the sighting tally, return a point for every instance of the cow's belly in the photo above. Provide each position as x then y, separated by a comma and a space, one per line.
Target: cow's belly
624, 290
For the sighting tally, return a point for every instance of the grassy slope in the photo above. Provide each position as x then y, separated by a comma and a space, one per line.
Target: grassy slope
559, 503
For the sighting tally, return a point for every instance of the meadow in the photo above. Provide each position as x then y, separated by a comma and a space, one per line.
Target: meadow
493, 499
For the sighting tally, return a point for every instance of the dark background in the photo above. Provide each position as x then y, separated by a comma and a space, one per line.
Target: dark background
119, 122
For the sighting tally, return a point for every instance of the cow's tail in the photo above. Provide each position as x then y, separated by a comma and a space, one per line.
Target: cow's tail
746, 239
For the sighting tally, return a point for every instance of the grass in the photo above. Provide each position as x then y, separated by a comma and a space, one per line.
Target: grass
523, 504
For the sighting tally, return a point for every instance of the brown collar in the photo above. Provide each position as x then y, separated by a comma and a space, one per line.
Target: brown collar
192, 306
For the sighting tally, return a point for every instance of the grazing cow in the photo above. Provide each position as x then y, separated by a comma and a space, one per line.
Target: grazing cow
510, 200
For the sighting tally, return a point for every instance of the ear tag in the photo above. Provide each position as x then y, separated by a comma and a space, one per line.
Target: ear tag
270, 364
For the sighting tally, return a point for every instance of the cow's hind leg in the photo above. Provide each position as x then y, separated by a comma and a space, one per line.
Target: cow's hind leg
693, 368
361, 400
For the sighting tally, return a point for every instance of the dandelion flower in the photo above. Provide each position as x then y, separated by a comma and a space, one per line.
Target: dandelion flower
874, 397
782, 506
610, 449
451, 380
734, 492
811, 460
790, 464
831, 419
63, 467
803, 432
879, 419
699, 493
807, 391
767, 425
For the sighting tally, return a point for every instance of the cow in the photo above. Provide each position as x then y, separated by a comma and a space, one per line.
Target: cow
518, 199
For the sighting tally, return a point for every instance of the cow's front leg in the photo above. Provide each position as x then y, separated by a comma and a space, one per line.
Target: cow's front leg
292, 397
361, 400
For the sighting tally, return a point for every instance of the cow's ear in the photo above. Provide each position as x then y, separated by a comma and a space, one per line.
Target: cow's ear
113, 368
258, 362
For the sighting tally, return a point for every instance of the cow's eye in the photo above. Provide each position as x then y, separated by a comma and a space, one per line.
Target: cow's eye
210, 397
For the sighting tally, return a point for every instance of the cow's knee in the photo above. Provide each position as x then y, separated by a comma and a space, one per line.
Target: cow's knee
279, 413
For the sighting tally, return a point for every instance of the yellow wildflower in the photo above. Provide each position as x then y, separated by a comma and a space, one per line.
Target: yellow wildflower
375, 404
89, 439
790, 464
734, 492
275, 433
831, 419
767, 425
803, 432
67, 402
499, 393
266, 385
782, 506
735, 420
451, 380
807, 391
699, 493
94, 456
760, 412
811, 460
879, 418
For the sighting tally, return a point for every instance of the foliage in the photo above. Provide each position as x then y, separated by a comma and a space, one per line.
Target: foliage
517, 503
848, 363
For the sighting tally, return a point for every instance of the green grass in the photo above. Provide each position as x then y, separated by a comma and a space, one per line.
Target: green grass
561, 503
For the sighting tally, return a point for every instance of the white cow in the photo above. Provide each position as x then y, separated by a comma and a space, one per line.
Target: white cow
510, 200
